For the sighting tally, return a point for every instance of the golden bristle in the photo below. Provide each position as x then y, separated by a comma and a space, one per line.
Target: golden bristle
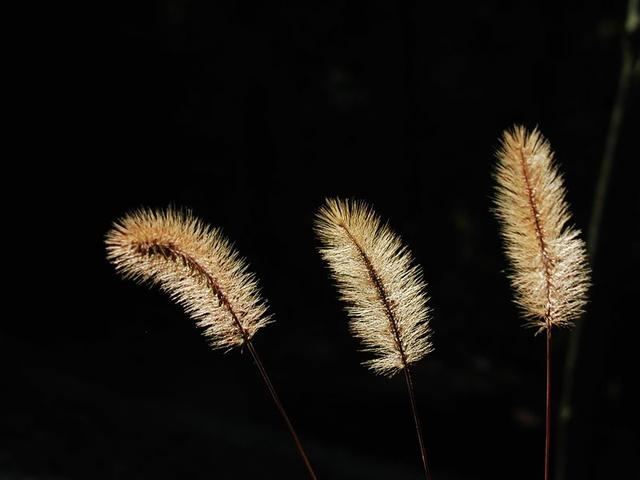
377, 278
196, 266
549, 270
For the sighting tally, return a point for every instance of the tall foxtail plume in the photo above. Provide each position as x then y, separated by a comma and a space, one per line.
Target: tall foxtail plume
201, 271
383, 289
378, 280
549, 270
196, 266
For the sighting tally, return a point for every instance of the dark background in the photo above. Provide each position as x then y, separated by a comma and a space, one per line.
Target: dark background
251, 116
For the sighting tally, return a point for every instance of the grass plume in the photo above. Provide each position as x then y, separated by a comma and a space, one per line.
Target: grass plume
378, 280
383, 288
549, 270
199, 269
196, 266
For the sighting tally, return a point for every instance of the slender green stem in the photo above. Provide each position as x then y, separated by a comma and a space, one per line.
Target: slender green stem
611, 143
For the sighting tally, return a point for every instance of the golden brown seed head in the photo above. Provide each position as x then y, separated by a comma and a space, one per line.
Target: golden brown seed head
549, 270
196, 266
377, 278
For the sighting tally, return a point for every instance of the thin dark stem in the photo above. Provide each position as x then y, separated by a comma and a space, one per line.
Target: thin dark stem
547, 443
279, 406
416, 420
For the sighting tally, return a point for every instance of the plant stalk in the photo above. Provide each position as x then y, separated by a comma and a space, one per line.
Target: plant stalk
279, 406
416, 420
547, 443
611, 143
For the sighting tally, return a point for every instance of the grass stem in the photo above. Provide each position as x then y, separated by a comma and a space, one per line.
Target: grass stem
416, 420
279, 406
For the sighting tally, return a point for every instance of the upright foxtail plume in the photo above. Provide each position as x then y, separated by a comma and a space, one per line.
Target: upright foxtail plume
201, 271
196, 266
382, 287
549, 270
377, 278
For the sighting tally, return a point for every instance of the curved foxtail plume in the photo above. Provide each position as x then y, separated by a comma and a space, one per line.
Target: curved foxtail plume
549, 270
201, 271
382, 286
196, 266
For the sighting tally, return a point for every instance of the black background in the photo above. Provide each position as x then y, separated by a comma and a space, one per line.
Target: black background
252, 115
